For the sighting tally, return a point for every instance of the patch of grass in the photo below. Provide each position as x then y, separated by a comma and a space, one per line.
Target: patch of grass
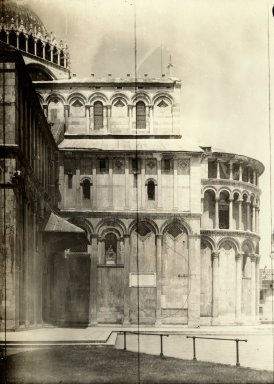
82, 364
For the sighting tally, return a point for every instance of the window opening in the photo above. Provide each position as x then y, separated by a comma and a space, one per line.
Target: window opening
86, 189
69, 180
151, 190
140, 115
98, 115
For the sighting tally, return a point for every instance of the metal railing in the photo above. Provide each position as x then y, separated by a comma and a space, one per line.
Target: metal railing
216, 338
161, 335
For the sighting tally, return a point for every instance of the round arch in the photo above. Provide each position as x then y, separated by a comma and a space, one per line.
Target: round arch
229, 240
210, 189
151, 179
110, 223
142, 96
98, 96
224, 189
180, 222
76, 96
208, 240
249, 245
162, 96
53, 96
117, 96
39, 70
148, 222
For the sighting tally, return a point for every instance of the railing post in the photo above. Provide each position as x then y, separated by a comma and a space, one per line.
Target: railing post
161, 339
194, 349
237, 353
125, 340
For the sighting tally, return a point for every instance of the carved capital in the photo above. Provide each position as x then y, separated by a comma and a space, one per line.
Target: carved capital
215, 255
239, 256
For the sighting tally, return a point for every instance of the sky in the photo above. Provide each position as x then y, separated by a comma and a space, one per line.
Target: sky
218, 48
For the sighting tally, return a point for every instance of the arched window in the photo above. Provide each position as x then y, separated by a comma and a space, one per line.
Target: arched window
140, 115
98, 115
47, 52
151, 190
12, 38
3, 36
22, 41
86, 189
62, 58
31, 45
111, 248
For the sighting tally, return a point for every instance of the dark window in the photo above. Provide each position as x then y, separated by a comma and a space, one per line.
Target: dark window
98, 115
167, 165
135, 165
39, 48
151, 190
3, 36
86, 189
212, 169
70, 180
103, 165
22, 41
13, 38
31, 45
140, 115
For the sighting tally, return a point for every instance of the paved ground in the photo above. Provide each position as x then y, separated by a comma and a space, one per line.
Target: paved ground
256, 353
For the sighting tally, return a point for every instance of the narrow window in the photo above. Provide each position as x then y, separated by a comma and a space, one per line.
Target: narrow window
86, 189
98, 115
70, 180
167, 165
151, 190
140, 115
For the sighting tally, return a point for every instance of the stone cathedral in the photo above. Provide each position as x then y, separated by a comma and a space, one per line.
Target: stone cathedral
108, 214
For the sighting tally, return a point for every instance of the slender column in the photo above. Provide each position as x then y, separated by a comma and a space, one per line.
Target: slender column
93, 250
151, 118
230, 212
126, 280
240, 172
240, 215
231, 170
110, 183
65, 60
108, 117
27, 43
94, 184
26, 265
105, 117
253, 218
158, 278
35, 46
215, 283
126, 183
58, 56
159, 177
253, 286
121, 254
87, 118
44, 47
248, 215
248, 174
218, 169
216, 212
143, 187
17, 40
175, 186
254, 177
194, 280
8, 38
130, 117
256, 219
239, 257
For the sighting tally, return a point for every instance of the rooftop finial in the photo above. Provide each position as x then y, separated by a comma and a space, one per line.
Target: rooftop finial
170, 66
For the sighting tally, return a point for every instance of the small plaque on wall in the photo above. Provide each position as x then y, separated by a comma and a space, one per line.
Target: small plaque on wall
143, 280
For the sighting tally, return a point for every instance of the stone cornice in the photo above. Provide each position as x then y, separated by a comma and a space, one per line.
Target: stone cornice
227, 232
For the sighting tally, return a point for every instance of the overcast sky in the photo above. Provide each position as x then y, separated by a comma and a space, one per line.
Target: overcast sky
219, 49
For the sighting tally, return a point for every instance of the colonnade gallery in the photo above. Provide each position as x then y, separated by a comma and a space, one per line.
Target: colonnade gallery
110, 215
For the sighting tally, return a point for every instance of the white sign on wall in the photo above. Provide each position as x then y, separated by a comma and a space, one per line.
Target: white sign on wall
143, 280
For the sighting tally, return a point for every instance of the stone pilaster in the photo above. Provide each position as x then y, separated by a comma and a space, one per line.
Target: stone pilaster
175, 186
126, 280
93, 250
215, 283
216, 212
158, 278
194, 283
239, 258
253, 287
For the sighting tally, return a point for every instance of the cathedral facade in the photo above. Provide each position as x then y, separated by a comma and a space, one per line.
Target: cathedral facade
171, 228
